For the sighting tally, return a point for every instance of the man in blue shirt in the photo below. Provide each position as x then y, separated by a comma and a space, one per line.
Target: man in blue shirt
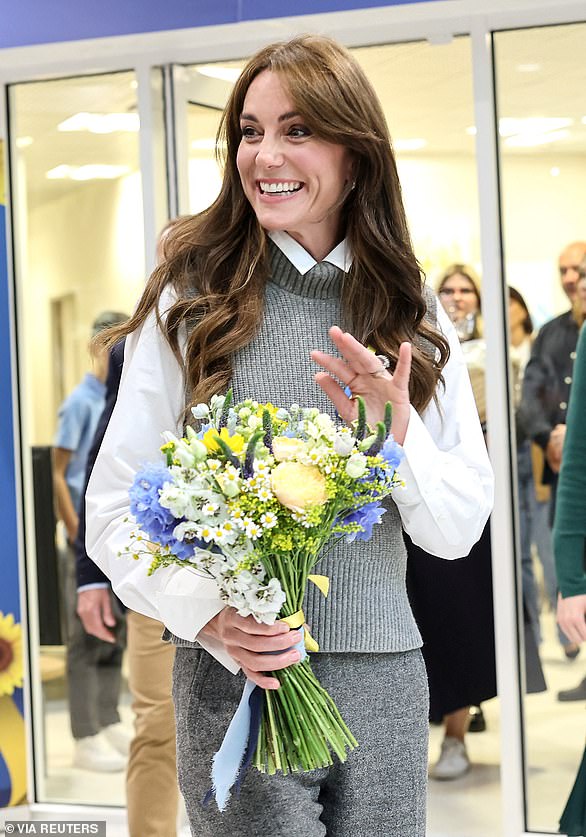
93, 666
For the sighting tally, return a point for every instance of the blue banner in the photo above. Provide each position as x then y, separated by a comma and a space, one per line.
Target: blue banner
12, 733
30, 22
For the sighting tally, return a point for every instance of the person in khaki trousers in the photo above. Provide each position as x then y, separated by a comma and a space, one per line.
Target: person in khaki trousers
151, 780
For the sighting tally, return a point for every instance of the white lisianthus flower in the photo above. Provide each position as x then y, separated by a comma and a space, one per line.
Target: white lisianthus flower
343, 443
254, 422
356, 466
326, 425
282, 414
184, 455
200, 411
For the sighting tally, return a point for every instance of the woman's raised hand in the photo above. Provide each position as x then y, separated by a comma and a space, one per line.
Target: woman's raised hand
249, 643
361, 371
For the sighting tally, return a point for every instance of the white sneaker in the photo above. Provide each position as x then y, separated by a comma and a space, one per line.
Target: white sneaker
119, 737
94, 753
453, 761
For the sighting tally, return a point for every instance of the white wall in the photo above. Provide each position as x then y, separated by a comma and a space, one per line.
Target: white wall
541, 214
88, 243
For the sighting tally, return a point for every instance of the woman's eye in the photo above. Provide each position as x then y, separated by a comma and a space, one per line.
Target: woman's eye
297, 131
248, 132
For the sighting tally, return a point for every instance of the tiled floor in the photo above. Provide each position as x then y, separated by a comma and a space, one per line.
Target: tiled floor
468, 807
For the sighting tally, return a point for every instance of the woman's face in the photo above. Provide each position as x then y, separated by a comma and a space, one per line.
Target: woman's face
293, 180
517, 314
458, 296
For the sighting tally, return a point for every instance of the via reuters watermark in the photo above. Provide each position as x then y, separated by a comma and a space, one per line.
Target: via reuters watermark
94, 827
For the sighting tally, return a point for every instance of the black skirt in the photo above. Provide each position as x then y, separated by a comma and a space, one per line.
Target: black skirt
452, 604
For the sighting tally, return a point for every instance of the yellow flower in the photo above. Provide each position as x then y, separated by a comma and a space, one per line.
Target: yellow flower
235, 443
297, 486
11, 667
285, 448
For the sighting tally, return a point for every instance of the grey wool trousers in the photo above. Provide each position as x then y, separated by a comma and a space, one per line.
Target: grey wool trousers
380, 791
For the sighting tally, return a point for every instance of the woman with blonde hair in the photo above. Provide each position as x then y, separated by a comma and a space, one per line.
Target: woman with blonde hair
308, 232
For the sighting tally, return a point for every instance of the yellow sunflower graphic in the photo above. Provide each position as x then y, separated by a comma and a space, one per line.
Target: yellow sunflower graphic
11, 670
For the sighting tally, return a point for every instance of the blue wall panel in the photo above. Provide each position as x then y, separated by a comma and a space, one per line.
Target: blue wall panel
40, 22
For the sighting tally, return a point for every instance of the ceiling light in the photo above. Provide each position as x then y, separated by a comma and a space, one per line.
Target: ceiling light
230, 74
471, 130
509, 126
24, 142
534, 139
584, 120
555, 171
409, 144
101, 123
90, 172
134, 84
528, 68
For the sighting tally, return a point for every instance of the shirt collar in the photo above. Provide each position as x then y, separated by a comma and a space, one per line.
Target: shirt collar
302, 260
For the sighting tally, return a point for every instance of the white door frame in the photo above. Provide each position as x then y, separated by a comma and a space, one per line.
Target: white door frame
436, 22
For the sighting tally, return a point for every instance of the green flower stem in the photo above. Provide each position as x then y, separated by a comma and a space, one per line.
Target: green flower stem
322, 696
272, 730
292, 713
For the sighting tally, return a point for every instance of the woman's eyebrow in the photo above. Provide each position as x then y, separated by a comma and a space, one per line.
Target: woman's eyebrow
250, 117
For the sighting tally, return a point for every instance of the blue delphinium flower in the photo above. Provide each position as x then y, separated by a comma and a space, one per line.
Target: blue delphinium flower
392, 453
155, 521
366, 517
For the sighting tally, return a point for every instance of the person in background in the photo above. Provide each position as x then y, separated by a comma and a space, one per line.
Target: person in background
152, 793
93, 666
459, 292
452, 602
567, 610
569, 538
548, 375
533, 497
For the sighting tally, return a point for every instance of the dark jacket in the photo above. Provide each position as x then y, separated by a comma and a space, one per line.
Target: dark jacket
548, 377
88, 572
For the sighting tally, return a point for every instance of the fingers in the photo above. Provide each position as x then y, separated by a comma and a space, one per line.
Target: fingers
346, 409
107, 615
571, 617
334, 365
403, 367
265, 682
93, 624
362, 361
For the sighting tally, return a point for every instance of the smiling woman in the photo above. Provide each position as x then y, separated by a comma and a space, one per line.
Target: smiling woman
293, 180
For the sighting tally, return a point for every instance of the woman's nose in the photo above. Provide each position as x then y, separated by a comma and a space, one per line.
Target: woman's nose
269, 154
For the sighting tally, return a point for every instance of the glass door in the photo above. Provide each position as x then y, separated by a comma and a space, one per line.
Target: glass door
541, 96
432, 125
79, 252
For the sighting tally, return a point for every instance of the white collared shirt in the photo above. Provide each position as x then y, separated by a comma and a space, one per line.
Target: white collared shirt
444, 505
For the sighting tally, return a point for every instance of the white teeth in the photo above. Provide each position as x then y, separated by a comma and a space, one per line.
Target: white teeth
292, 186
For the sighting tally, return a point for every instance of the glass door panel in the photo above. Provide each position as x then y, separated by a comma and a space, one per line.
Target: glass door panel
79, 252
541, 95
432, 125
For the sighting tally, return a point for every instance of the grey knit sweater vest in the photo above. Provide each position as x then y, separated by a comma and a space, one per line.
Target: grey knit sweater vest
367, 609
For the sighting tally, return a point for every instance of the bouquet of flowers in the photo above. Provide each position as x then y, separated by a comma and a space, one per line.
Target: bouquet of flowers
251, 500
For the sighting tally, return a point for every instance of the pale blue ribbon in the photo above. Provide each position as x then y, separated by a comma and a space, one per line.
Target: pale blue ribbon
228, 761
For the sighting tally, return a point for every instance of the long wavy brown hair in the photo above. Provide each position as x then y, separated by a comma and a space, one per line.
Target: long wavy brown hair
218, 263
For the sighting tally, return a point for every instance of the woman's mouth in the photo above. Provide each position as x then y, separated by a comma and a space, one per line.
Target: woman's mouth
279, 187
